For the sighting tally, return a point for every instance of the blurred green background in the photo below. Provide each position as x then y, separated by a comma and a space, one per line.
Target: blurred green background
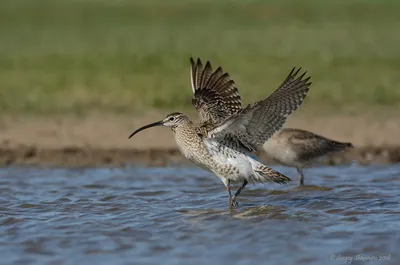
77, 56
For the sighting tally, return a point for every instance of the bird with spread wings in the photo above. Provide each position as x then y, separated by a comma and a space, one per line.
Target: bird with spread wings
227, 134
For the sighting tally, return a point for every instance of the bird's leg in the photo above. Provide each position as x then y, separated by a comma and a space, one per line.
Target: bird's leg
238, 192
301, 176
228, 188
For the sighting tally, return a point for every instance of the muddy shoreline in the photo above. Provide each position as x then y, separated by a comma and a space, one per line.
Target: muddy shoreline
119, 157
102, 140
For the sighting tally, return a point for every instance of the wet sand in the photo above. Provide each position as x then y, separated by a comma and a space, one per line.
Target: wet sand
91, 156
97, 140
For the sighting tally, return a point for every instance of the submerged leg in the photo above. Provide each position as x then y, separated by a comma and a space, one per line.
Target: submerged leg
228, 188
234, 202
301, 176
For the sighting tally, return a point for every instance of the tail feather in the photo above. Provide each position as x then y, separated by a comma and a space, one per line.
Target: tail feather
338, 146
263, 173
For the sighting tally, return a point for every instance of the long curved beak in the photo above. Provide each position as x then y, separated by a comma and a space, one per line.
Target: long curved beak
158, 123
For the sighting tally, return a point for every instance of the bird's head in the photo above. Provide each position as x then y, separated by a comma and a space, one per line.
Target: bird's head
173, 120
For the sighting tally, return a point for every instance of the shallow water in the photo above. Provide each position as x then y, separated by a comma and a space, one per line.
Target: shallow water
348, 214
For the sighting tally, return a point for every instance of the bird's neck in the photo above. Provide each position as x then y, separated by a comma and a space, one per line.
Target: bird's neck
187, 139
186, 131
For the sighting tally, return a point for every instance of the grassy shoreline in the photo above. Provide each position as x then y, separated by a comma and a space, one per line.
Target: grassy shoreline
62, 57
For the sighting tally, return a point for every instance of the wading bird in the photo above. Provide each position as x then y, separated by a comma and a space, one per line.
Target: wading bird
299, 148
227, 134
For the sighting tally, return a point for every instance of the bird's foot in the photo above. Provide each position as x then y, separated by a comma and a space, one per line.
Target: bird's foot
233, 202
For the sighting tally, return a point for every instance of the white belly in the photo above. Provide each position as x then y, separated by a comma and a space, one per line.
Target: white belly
229, 164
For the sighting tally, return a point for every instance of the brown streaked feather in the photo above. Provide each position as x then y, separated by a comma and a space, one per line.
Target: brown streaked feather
259, 121
266, 174
218, 77
206, 75
215, 95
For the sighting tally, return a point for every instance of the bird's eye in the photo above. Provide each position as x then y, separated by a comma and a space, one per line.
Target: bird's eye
171, 119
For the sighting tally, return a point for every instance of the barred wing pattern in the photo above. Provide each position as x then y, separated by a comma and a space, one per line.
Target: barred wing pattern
259, 121
215, 96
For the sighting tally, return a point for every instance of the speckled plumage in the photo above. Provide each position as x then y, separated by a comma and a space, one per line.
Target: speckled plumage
300, 148
227, 134
215, 96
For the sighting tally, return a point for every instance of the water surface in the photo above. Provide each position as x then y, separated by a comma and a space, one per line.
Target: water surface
179, 215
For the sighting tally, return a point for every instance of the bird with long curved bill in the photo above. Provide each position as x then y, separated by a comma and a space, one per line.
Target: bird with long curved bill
224, 140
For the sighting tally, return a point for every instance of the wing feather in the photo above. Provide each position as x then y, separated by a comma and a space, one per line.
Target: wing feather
215, 95
216, 77
253, 125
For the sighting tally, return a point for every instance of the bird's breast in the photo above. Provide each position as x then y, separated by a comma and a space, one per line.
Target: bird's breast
193, 148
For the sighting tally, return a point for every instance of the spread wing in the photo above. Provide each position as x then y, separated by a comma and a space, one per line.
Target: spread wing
253, 125
215, 96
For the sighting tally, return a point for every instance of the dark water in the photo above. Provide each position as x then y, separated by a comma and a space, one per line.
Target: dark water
180, 216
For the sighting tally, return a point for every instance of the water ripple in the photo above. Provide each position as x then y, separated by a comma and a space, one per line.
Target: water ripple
180, 215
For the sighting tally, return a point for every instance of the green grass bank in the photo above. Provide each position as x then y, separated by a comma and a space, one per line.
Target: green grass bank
78, 56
